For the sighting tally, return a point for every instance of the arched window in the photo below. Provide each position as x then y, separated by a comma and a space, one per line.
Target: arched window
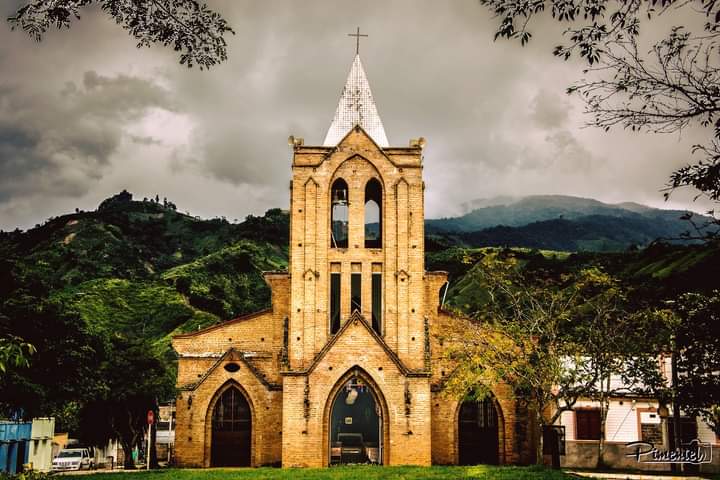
339, 214
373, 214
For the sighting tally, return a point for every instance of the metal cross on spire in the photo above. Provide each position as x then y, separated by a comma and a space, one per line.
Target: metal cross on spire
357, 36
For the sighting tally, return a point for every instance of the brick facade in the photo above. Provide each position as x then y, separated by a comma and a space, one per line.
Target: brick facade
290, 364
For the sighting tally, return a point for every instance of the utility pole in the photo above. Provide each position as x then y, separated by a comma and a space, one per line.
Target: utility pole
677, 426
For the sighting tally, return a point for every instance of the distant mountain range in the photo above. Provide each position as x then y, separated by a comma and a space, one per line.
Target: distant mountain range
559, 222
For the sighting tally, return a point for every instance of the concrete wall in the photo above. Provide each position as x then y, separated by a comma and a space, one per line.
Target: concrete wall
624, 421
584, 454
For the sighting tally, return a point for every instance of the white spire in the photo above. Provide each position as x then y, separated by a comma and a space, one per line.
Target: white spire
356, 107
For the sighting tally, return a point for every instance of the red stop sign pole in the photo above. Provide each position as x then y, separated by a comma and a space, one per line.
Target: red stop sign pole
150, 421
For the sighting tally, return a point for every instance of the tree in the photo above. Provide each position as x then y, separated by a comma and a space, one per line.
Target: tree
697, 339
536, 335
135, 379
515, 339
14, 352
617, 349
188, 26
62, 370
673, 86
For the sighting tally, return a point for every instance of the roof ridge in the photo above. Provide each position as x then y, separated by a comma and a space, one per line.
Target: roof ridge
224, 323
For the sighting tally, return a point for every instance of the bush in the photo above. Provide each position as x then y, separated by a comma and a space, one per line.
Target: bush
31, 475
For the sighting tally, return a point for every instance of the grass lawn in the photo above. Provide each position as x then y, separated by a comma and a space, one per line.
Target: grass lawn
480, 472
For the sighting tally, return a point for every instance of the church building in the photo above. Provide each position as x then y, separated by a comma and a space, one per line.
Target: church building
345, 366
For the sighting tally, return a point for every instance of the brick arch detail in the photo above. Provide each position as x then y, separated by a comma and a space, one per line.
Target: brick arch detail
356, 371
500, 429
208, 421
357, 157
355, 192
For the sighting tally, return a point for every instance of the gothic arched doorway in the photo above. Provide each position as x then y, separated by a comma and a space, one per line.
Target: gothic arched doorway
478, 432
355, 424
231, 430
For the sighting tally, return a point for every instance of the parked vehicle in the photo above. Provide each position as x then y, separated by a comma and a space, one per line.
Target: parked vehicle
352, 448
73, 459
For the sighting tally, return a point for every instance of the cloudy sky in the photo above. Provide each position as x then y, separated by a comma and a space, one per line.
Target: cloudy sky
85, 113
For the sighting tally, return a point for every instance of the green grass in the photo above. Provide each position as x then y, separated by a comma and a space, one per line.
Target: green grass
480, 472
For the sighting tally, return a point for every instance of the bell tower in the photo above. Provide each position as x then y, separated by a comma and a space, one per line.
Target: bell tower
357, 233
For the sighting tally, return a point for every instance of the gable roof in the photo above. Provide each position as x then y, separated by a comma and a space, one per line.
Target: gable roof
356, 107
232, 354
357, 318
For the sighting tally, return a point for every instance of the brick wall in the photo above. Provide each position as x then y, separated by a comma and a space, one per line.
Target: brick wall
407, 436
193, 417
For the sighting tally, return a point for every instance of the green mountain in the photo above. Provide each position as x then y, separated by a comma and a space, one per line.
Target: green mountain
143, 267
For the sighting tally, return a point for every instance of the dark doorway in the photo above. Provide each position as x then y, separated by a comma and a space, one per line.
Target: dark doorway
478, 432
355, 425
231, 430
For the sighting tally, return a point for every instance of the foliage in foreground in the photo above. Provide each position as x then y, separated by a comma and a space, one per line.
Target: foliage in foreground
697, 337
553, 341
188, 26
26, 476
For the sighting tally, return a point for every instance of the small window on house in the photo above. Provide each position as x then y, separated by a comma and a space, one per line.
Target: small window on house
373, 214
587, 424
377, 302
355, 292
334, 302
339, 214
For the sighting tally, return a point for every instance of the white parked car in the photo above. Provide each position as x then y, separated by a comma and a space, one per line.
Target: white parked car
73, 459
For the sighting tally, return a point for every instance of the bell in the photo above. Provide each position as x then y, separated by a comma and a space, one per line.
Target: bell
339, 197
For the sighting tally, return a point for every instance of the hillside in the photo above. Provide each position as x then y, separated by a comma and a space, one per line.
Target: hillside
652, 275
141, 267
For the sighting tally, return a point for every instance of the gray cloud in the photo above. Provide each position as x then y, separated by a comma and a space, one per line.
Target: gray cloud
550, 110
78, 127
58, 143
